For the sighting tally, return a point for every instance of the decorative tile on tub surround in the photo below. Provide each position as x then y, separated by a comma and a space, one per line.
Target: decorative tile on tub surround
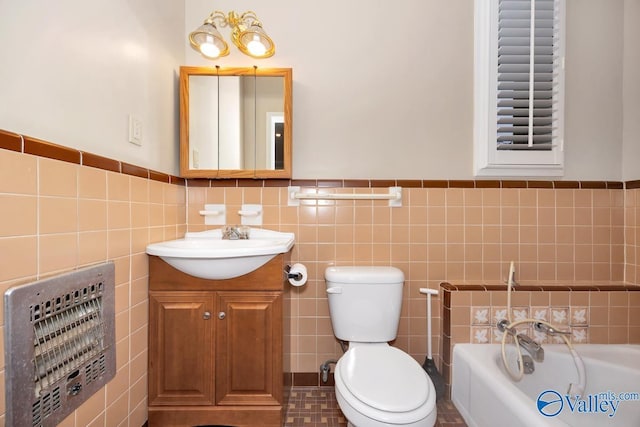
601, 314
484, 330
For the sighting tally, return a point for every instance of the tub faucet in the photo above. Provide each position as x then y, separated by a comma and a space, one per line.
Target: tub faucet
533, 348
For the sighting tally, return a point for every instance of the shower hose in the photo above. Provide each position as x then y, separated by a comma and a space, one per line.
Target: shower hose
574, 389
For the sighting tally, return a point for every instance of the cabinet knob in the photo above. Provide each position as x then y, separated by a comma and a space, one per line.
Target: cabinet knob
206, 315
222, 315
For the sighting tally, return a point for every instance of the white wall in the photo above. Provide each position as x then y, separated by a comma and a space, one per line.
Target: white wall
384, 89
381, 89
593, 134
73, 70
631, 99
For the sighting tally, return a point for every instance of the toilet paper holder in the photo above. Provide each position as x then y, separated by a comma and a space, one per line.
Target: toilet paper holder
294, 276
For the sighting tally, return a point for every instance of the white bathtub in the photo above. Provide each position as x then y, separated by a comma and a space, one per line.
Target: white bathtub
487, 397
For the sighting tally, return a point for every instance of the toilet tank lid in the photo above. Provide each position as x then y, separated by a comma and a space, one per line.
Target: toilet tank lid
364, 274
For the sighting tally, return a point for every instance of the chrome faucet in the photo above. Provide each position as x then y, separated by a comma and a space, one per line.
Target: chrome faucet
233, 232
541, 327
533, 348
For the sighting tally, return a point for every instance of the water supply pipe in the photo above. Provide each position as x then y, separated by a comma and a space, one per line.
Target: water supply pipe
325, 368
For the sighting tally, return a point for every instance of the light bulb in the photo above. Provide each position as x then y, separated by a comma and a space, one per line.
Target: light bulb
208, 48
256, 47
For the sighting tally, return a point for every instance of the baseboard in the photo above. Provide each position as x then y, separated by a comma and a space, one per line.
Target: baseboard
310, 379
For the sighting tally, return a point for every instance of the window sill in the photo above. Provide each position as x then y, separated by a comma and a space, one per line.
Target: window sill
519, 171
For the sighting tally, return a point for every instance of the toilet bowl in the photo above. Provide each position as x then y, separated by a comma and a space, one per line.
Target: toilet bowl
380, 385
376, 384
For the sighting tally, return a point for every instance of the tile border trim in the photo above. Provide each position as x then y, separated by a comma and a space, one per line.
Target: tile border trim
560, 286
28, 145
37, 147
408, 183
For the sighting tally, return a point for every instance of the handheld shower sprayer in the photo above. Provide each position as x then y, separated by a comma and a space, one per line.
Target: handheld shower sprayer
511, 279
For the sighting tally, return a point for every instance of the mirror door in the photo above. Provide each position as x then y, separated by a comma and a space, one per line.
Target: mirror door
235, 122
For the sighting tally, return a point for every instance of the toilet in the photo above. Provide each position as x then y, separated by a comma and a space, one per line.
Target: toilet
376, 384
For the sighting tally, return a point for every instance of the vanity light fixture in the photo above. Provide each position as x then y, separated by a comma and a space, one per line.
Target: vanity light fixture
246, 33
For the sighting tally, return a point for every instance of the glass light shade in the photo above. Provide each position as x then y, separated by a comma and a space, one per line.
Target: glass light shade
256, 47
255, 42
209, 48
208, 41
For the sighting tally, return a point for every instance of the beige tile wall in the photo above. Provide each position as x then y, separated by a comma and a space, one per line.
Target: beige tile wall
57, 216
452, 234
632, 235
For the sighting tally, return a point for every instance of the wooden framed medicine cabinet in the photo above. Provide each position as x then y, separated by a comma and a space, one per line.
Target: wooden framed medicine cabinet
235, 122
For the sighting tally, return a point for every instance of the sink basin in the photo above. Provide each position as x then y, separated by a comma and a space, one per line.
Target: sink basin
205, 255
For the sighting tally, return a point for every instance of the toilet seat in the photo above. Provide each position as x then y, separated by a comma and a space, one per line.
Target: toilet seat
384, 377
384, 384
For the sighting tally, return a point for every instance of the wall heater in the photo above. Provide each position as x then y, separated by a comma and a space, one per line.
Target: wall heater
59, 344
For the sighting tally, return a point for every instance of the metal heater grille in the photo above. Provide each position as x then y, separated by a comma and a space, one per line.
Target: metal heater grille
59, 344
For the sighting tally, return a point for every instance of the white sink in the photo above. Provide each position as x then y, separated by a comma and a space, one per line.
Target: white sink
205, 255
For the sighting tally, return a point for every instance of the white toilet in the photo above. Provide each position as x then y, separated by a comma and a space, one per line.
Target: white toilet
376, 384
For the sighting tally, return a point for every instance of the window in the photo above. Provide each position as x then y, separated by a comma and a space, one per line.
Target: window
519, 75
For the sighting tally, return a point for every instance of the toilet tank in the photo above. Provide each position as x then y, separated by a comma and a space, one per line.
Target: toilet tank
364, 302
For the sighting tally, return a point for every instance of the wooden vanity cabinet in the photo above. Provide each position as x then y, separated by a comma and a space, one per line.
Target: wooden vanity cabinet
215, 347
181, 344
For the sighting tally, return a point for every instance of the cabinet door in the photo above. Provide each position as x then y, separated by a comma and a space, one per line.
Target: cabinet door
181, 343
249, 348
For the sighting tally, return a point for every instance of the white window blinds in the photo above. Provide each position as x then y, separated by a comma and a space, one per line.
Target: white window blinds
528, 75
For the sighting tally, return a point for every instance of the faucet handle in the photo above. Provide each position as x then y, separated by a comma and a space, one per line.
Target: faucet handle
541, 327
243, 232
503, 326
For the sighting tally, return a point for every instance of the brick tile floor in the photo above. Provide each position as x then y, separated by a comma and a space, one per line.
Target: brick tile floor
317, 407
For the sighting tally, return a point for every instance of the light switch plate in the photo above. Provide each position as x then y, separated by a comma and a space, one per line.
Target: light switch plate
135, 130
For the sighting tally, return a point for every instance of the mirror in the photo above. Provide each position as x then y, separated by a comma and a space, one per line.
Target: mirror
235, 122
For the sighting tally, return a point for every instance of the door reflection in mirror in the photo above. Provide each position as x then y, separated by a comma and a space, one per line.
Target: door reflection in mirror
235, 122
226, 117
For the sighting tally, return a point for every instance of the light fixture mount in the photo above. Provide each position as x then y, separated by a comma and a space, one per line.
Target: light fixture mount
246, 33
